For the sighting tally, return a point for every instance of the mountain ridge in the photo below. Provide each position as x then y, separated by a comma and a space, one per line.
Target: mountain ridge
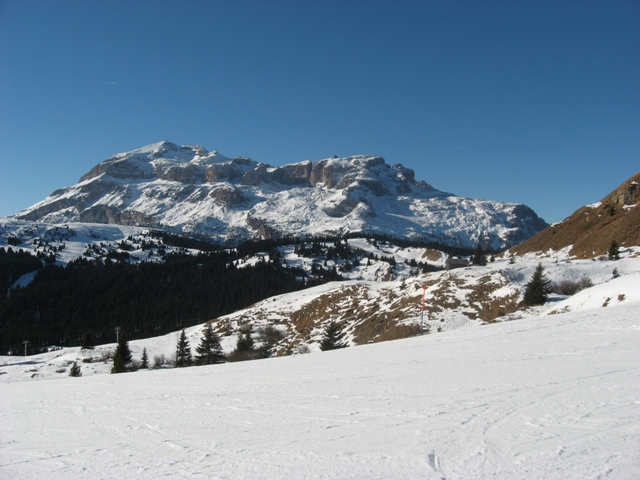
189, 189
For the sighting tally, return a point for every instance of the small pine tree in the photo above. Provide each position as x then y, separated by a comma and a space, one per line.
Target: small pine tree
75, 371
118, 365
245, 347
616, 273
183, 351
332, 338
88, 342
614, 251
122, 356
538, 288
209, 351
479, 257
245, 342
144, 361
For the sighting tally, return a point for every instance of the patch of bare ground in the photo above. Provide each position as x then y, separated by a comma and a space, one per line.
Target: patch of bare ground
386, 314
444, 296
481, 297
330, 306
591, 229
433, 255
381, 326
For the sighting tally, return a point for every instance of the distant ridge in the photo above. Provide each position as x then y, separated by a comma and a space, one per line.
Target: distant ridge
592, 228
189, 189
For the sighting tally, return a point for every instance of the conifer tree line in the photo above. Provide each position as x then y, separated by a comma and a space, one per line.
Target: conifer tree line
209, 351
62, 304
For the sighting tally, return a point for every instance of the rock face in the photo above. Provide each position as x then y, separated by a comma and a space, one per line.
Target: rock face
190, 189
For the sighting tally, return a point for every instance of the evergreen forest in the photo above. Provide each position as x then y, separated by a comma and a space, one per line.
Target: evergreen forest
143, 299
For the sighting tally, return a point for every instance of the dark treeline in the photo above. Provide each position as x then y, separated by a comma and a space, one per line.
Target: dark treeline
13, 265
144, 299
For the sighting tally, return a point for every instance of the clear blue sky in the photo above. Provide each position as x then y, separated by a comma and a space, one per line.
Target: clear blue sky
535, 102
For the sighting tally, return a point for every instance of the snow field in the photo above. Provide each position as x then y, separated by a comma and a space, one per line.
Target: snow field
546, 397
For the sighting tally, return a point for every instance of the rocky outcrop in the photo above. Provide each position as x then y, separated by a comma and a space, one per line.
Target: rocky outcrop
107, 214
123, 168
229, 171
228, 196
293, 175
341, 172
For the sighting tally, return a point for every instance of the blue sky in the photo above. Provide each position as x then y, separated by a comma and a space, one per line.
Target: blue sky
536, 102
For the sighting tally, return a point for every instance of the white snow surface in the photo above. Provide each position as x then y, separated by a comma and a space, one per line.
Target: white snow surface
545, 396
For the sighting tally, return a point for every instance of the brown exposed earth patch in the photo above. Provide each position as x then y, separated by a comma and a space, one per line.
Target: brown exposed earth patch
591, 229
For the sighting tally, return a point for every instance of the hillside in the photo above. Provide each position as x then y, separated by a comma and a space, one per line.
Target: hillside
189, 189
375, 311
148, 282
591, 229
545, 396
152, 283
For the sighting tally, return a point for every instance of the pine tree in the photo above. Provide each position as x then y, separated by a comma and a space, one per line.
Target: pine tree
332, 338
616, 273
88, 343
144, 361
538, 288
183, 351
245, 342
614, 251
209, 351
118, 365
122, 356
75, 371
479, 257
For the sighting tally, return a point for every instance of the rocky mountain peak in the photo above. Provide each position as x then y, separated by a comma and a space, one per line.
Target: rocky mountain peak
189, 188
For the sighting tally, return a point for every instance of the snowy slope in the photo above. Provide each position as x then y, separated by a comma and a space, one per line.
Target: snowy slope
543, 397
187, 188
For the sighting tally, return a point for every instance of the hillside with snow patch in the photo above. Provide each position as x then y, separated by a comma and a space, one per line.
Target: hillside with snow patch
542, 396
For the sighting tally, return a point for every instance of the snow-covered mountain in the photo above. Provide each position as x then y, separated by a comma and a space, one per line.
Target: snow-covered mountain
189, 189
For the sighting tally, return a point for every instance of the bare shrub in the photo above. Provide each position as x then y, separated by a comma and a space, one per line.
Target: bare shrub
107, 355
571, 287
270, 334
302, 349
159, 360
241, 355
269, 337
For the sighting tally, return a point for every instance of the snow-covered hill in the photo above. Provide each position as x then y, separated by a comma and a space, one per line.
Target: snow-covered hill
542, 396
190, 189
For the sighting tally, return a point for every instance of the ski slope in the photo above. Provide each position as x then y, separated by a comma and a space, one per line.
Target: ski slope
548, 396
